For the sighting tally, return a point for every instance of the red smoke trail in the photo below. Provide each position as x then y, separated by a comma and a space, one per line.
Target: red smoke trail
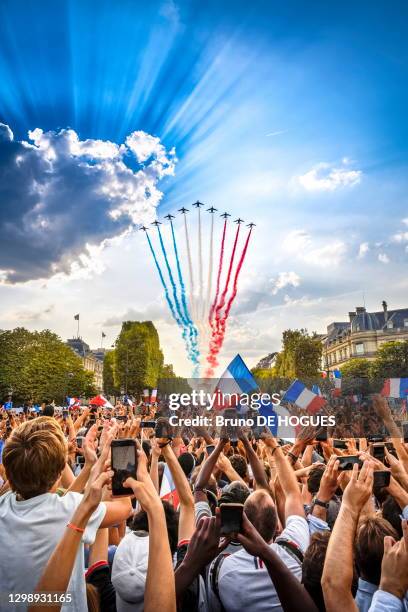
217, 335
235, 286
227, 282
214, 304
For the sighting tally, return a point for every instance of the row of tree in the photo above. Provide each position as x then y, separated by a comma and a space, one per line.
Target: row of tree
301, 355
39, 366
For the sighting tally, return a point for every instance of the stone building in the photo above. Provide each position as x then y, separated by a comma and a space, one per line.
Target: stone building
362, 334
91, 360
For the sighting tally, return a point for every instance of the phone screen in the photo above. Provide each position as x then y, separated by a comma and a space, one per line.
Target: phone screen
124, 464
231, 518
148, 424
381, 479
210, 448
347, 462
378, 452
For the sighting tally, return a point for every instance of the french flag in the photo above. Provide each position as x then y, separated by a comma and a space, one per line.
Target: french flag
337, 383
153, 397
168, 491
395, 387
304, 398
236, 379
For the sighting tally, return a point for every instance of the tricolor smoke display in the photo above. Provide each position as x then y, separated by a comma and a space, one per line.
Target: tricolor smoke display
201, 312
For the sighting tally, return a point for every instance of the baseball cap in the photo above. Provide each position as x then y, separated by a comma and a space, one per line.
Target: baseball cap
129, 571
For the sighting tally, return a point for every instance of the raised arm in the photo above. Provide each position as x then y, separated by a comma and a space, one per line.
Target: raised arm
290, 591
287, 480
206, 471
257, 468
338, 566
187, 519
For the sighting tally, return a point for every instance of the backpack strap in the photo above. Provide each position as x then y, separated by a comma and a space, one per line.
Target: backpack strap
214, 575
291, 548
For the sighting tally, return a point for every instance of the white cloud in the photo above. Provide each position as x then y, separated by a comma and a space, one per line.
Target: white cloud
324, 177
65, 198
405, 221
301, 245
363, 250
285, 279
400, 237
383, 258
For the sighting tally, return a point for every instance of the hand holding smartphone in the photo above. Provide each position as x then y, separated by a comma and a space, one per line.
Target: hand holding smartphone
231, 518
123, 464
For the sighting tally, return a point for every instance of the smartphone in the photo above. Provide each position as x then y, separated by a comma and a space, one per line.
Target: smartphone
80, 460
148, 424
234, 443
405, 432
322, 435
162, 429
381, 479
123, 463
377, 451
390, 448
79, 441
210, 448
121, 417
341, 444
231, 518
65, 414
346, 462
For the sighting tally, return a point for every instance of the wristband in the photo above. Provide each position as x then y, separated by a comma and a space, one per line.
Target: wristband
293, 456
322, 504
75, 528
165, 444
274, 449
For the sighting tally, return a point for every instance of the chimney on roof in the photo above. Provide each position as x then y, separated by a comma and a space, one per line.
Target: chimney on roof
351, 316
385, 309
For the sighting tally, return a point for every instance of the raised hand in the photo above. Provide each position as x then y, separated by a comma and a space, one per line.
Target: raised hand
359, 489
394, 567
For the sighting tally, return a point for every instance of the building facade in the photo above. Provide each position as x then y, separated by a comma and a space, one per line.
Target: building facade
91, 360
362, 335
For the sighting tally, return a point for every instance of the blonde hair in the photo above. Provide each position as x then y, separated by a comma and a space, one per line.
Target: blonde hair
34, 456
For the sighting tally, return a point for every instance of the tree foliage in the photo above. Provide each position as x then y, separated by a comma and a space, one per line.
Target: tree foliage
391, 360
138, 358
109, 387
300, 356
40, 366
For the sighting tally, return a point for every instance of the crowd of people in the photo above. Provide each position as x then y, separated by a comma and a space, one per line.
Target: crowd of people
245, 522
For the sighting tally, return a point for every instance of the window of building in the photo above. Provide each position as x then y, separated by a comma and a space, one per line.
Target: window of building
360, 348
390, 324
405, 322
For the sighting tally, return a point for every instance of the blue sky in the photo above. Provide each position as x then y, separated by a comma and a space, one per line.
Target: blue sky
293, 115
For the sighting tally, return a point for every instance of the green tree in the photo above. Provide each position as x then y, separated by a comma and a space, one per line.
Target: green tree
138, 357
300, 356
356, 377
109, 374
40, 366
391, 361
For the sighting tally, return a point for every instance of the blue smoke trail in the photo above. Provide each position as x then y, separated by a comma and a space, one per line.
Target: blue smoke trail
170, 304
163, 282
191, 326
191, 350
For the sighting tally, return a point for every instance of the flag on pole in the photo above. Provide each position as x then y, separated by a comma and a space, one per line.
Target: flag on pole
395, 387
236, 380
100, 400
304, 398
103, 335
168, 491
316, 389
76, 317
337, 383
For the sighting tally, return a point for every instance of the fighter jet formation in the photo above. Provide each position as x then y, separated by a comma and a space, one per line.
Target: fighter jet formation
200, 311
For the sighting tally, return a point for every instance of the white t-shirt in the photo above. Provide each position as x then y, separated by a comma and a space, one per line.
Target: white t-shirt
30, 530
243, 580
